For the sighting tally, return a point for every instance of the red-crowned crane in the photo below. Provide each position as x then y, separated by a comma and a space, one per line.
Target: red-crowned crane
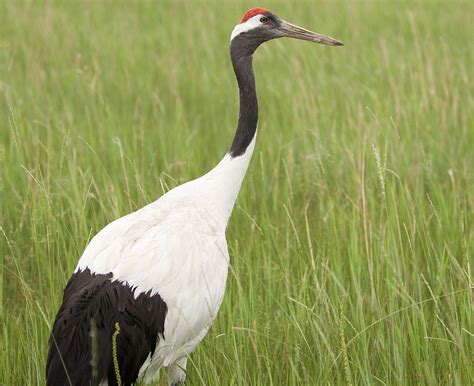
161, 272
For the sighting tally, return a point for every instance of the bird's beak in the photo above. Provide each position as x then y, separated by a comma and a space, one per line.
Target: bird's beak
293, 31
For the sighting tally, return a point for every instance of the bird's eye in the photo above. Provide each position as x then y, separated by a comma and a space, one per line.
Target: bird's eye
264, 19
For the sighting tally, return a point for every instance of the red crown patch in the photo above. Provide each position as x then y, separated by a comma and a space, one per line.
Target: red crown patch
252, 12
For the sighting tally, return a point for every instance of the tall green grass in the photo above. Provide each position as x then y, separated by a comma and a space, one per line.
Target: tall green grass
351, 240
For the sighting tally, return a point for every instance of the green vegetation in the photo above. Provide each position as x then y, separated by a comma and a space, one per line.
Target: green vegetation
352, 237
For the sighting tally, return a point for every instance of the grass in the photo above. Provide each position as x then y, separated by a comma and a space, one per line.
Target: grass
351, 240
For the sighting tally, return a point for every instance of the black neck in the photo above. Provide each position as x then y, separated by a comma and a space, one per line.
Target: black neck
241, 51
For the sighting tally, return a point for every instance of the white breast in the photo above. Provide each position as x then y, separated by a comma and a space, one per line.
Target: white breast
173, 247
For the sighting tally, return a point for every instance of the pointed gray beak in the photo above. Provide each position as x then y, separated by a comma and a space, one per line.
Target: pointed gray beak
293, 31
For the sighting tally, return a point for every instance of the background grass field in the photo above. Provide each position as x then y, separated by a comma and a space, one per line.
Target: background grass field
351, 239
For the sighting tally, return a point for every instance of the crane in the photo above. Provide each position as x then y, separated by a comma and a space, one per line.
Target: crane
149, 285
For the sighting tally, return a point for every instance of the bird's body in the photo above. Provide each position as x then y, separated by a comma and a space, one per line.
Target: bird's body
159, 274
180, 240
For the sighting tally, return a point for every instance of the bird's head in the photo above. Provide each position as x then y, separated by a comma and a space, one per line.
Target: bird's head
260, 25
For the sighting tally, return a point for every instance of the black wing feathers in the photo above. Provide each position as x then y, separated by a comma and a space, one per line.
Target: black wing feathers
88, 297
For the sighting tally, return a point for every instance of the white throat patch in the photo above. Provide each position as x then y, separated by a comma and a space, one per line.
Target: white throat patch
251, 23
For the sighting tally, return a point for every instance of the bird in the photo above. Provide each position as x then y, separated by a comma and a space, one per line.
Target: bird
149, 285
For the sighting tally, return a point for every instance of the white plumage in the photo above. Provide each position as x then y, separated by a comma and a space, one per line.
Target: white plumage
176, 247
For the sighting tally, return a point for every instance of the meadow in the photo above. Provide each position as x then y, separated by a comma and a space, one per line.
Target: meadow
351, 241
